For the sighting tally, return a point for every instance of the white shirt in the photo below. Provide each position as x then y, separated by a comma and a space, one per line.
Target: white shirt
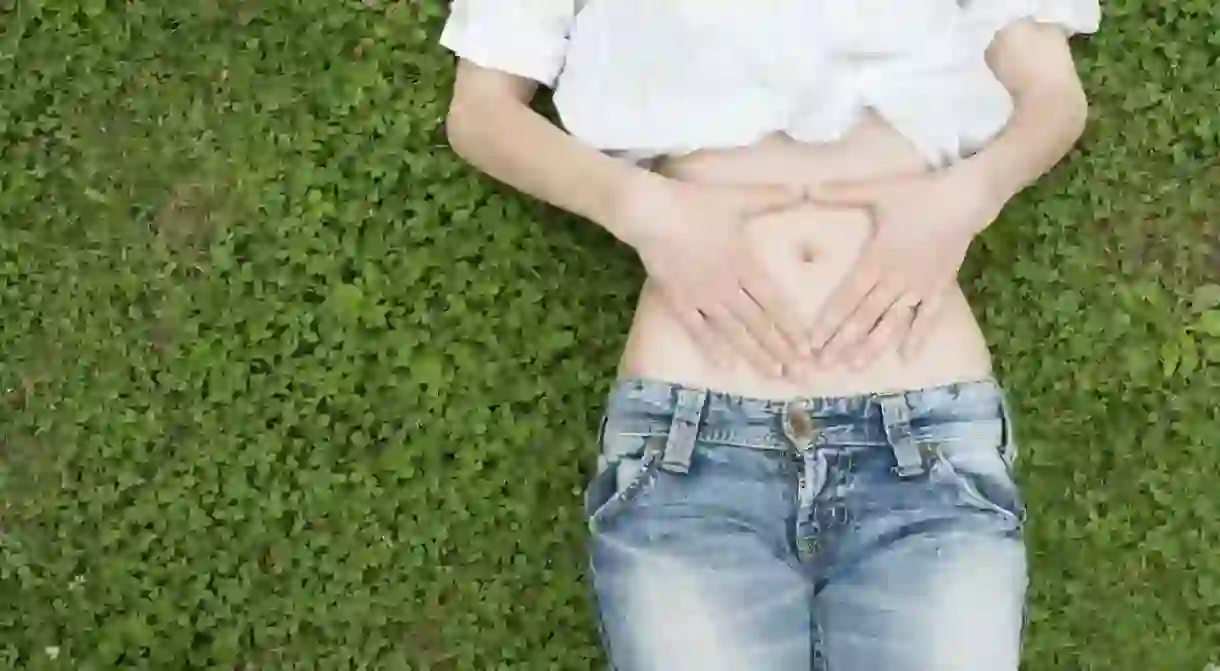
645, 78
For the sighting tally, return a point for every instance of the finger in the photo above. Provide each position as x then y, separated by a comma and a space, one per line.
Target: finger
841, 304
762, 290
855, 193
751, 200
845, 194
894, 325
927, 316
760, 327
861, 323
731, 328
705, 336
683, 306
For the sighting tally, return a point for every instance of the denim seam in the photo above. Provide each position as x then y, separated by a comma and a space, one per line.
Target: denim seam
650, 464
1009, 448
720, 443
819, 660
606, 642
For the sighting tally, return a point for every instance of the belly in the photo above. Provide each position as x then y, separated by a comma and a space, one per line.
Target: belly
808, 250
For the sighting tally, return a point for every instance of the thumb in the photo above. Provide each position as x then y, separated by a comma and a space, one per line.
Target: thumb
855, 193
757, 199
926, 320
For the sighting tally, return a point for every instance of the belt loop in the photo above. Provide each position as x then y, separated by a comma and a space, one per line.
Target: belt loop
896, 416
683, 430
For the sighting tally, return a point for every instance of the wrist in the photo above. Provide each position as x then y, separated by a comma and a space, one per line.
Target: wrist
635, 212
991, 183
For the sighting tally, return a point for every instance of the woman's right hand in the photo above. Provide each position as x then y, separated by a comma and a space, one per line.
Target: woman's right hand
691, 240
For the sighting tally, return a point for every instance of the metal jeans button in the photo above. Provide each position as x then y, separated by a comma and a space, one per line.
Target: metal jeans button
798, 426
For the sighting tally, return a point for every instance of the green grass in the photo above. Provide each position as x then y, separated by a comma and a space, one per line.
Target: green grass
284, 385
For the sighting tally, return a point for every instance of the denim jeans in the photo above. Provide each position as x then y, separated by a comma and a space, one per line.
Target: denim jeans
880, 532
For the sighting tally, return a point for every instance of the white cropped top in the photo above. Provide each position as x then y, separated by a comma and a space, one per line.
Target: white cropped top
661, 77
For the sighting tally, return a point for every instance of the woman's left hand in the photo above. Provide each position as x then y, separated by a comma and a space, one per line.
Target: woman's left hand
922, 227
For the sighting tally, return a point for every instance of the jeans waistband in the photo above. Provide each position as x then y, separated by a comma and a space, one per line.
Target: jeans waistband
686, 415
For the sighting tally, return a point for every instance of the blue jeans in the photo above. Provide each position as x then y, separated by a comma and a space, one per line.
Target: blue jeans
880, 532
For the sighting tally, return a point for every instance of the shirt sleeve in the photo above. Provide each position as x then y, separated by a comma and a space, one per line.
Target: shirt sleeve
986, 18
528, 38
1075, 16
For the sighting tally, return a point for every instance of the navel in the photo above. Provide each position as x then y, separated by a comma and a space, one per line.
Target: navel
808, 253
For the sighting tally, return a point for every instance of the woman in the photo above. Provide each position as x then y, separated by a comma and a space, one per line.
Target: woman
806, 461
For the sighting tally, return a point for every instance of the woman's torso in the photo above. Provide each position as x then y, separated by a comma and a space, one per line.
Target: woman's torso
808, 250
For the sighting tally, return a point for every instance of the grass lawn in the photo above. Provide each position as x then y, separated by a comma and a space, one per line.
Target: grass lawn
284, 385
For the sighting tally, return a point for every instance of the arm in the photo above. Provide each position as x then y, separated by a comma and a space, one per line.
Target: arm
896, 289
687, 236
1034, 62
491, 125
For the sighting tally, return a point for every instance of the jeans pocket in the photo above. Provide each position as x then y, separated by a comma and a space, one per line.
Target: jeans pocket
627, 466
975, 460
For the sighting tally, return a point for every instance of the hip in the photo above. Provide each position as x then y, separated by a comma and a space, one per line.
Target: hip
659, 347
956, 434
856, 532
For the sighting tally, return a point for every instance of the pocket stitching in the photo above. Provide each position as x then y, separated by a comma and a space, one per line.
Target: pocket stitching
966, 486
650, 463
1009, 447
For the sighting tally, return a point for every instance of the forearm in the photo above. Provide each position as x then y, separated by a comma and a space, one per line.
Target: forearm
1045, 125
1049, 115
510, 142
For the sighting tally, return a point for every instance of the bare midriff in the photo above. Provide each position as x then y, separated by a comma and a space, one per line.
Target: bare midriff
807, 250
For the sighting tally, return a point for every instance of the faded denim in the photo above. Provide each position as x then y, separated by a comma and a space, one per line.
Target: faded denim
879, 532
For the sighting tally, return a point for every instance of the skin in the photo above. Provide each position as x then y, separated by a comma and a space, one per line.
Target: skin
897, 287
722, 294
718, 289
